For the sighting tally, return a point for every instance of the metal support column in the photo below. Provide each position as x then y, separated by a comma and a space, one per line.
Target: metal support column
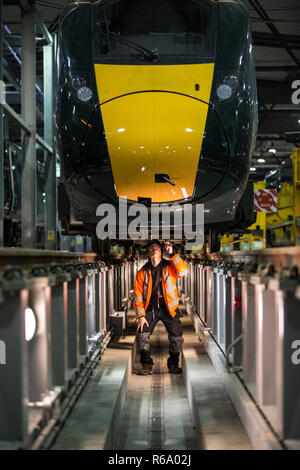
249, 333
13, 373
287, 307
296, 187
214, 326
2, 97
204, 293
98, 277
192, 284
265, 333
39, 352
91, 306
50, 159
227, 311
83, 315
208, 307
236, 320
198, 289
221, 305
110, 297
73, 323
28, 106
103, 317
59, 351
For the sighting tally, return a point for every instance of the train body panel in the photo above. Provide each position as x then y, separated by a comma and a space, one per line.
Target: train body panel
165, 129
158, 86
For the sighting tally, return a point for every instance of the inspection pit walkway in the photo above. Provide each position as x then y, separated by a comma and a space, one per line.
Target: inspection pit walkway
121, 410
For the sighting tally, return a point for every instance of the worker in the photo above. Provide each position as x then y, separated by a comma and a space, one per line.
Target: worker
156, 298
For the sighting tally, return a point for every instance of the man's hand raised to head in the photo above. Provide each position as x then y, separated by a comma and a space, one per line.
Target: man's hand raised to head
169, 248
141, 322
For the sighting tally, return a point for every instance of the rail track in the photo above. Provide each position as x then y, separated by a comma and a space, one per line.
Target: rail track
247, 306
278, 257
248, 302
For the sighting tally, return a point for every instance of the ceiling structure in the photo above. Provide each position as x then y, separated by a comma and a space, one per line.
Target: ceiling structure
276, 38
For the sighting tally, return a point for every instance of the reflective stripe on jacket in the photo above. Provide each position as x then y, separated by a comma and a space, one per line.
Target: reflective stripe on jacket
172, 269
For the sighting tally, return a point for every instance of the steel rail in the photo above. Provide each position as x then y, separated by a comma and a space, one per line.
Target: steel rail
26, 257
278, 257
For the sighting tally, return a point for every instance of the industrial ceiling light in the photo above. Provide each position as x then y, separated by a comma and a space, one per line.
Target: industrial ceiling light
261, 160
252, 168
272, 150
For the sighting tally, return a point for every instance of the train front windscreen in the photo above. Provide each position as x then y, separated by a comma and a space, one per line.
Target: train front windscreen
156, 31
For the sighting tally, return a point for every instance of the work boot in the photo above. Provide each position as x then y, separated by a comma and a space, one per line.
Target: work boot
146, 369
172, 363
145, 357
174, 369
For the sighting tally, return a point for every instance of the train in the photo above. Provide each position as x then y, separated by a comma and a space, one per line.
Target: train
156, 103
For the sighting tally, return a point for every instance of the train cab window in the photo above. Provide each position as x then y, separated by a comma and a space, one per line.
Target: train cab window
157, 31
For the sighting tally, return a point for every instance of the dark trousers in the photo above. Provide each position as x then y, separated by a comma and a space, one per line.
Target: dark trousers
174, 329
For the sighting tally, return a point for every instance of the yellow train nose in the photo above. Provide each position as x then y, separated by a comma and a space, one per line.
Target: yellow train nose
154, 122
154, 133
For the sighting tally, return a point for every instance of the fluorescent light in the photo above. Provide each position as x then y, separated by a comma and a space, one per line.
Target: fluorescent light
252, 168
261, 160
188, 129
121, 129
272, 150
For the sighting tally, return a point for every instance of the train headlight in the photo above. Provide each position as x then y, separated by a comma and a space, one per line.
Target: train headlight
84, 94
231, 80
78, 82
228, 86
224, 92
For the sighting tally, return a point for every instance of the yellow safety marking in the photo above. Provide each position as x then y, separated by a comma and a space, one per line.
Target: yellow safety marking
51, 235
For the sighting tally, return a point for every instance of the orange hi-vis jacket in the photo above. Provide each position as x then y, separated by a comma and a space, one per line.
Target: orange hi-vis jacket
172, 269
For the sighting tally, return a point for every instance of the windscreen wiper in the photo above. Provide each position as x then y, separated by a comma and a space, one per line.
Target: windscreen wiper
146, 54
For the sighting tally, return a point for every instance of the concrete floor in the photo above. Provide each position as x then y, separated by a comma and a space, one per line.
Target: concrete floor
93, 421
156, 412
218, 425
